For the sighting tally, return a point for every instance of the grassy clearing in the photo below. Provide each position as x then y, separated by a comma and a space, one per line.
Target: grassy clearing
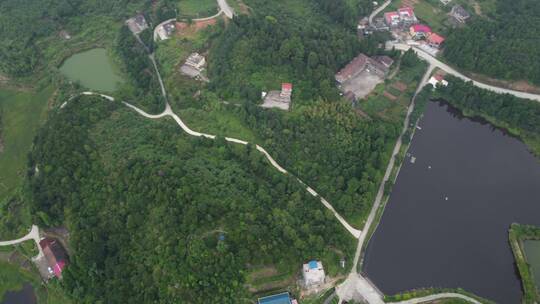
218, 120
377, 104
197, 8
22, 114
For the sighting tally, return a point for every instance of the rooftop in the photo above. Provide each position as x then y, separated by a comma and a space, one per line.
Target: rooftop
282, 298
408, 11
435, 38
458, 10
421, 28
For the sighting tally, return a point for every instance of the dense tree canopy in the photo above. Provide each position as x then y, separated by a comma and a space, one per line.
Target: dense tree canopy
503, 47
257, 53
146, 206
144, 88
332, 148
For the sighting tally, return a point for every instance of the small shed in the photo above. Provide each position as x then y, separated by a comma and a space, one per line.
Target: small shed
459, 13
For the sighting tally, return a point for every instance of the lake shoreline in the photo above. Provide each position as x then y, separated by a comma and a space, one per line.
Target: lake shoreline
451, 139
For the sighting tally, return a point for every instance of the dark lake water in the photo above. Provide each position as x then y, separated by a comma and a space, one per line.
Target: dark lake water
426, 240
24, 296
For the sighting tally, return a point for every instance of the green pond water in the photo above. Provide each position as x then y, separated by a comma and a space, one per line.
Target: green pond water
93, 69
532, 252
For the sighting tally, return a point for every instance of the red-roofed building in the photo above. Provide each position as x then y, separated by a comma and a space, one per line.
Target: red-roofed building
419, 31
286, 90
55, 255
435, 40
392, 19
406, 12
407, 16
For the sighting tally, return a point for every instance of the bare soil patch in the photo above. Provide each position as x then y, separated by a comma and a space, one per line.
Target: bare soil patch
400, 86
389, 96
185, 29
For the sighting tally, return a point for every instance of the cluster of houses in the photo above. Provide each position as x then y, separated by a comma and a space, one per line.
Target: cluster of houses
313, 276
404, 21
424, 32
404, 17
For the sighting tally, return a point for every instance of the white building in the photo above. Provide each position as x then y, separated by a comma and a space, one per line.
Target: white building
166, 30
137, 24
196, 61
313, 273
437, 79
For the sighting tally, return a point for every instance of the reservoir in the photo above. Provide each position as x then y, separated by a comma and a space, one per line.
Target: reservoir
24, 296
93, 69
532, 253
446, 223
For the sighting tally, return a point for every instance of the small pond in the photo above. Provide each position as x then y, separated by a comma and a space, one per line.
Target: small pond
93, 69
446, 222
532, 252
24, 296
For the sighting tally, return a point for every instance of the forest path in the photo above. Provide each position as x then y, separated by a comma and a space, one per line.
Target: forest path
168, 112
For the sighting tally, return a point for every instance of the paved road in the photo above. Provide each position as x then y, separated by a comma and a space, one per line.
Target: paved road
378, 10
224, 6
32, 235
437, 63
438, 297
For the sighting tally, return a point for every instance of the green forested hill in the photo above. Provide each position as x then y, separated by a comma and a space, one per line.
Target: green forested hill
506, 46
145, 206
29, 27
283, 42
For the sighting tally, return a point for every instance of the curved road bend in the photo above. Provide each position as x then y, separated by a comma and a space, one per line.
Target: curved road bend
448, 69
32, 235
224, 8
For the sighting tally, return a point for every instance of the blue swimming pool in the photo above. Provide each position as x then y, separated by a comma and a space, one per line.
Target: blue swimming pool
282, 298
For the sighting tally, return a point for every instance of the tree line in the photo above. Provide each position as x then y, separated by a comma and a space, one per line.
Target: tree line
505, 46
519, 116
144, 89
